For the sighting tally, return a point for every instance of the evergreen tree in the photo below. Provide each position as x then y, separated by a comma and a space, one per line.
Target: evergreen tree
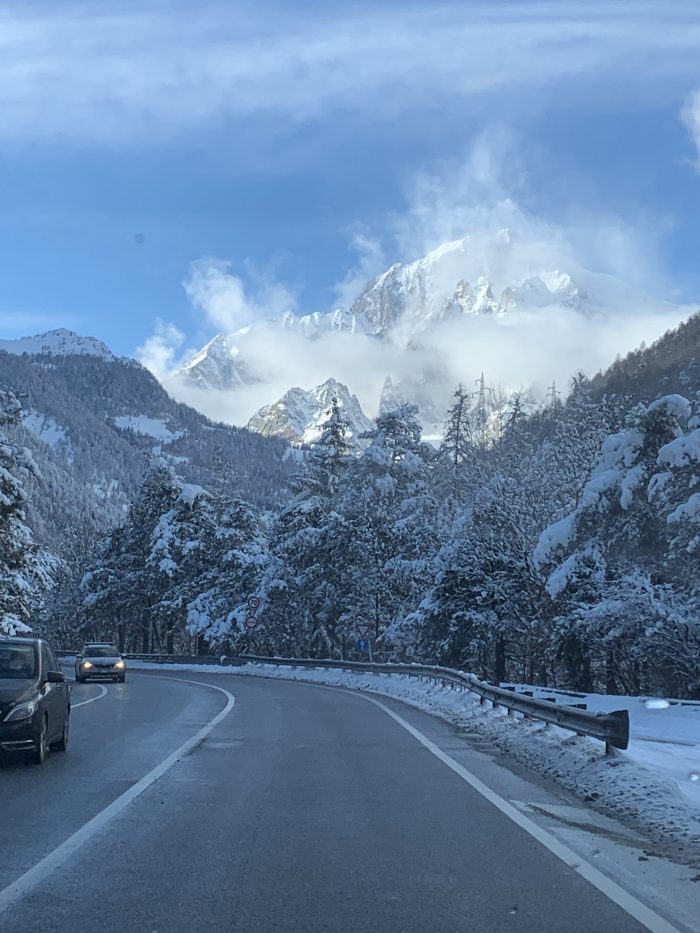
25, 570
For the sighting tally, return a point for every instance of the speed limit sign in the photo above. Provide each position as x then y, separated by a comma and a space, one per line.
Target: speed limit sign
253, 602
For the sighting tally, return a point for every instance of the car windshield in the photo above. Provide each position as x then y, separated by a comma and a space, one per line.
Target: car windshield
17, 661
101, 651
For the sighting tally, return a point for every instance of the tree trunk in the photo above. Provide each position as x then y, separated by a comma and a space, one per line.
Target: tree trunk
500, 660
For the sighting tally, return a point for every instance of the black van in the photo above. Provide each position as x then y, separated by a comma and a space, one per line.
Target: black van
34, 699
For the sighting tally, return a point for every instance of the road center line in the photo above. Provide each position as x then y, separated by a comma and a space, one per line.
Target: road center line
37, 873
635, 908
92, 699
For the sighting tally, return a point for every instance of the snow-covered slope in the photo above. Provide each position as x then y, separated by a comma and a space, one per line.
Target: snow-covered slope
299, 415
455, 279
218, 365
92, 422
60, 342
519, 310
496, 276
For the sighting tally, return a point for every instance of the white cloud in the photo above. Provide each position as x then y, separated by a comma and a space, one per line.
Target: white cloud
222, 297
159, 352
371, 260
477, 197
482, 195
690, 114
133, 76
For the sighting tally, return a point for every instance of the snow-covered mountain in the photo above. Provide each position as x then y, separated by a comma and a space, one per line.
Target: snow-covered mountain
299, 415
92, 421
451, 282
488, 301
61, 342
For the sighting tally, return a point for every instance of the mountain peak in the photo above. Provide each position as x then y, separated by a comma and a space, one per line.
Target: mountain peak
299, 415
60, 342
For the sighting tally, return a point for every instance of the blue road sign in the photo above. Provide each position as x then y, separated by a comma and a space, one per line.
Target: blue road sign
362, 644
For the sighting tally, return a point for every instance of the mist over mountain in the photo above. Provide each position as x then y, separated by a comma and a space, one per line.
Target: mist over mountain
489, 303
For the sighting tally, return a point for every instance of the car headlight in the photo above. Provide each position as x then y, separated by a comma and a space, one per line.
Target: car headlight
120, 665
22, 711
86, 664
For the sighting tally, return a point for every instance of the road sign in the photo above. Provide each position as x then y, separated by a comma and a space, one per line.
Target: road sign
363, 631
251, 622
362, 644
253, 602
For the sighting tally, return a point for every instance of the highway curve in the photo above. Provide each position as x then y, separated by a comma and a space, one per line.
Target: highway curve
302, 808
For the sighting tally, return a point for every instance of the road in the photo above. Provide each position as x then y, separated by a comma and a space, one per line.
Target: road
301, 808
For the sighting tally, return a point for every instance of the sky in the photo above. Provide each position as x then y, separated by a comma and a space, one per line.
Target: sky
179, 169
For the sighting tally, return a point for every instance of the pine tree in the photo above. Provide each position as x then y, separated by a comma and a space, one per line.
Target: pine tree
25, 570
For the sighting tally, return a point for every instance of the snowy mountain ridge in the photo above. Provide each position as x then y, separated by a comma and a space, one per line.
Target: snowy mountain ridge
60, 342
489, 275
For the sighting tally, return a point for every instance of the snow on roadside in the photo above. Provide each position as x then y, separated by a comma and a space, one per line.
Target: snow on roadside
664, 734
638, 787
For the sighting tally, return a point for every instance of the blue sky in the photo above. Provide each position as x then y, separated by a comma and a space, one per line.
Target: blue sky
303, 143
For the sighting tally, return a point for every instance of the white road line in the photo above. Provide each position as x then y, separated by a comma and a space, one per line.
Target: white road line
92, 699
635, 908
30, 879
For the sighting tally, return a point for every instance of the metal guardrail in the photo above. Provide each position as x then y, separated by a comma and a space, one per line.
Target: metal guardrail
610, 728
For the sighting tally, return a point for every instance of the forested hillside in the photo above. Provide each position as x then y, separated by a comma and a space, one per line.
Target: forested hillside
557, 547
561, 551
670, 364
92, 424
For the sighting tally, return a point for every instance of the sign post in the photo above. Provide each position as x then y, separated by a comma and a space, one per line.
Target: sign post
364, 641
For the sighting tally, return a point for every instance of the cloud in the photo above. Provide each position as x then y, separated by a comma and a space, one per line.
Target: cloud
477, 199
690, 115
371, 260
159, 353
482, 194
167, 69
222, 297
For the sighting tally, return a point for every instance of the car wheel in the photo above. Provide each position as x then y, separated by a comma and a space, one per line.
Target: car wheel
40, 751
62, 744
122, 678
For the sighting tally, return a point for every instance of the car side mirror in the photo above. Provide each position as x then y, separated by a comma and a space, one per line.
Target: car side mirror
55, 677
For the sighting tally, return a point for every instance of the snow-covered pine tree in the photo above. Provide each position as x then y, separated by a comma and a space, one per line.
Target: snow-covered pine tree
390, 529
232, 559
301, 599
624, 610
25, 570
457, 450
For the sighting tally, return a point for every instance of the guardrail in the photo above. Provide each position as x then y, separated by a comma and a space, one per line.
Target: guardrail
610, 728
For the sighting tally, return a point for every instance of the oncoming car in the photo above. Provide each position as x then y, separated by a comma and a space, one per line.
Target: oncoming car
99, 661
34, 699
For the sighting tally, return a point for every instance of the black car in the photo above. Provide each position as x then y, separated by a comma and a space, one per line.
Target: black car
99, 661
34, 699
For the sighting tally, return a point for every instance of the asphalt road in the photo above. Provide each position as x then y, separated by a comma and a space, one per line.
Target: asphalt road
302, 809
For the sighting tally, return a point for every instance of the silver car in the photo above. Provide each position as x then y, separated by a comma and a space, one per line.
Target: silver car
99, 661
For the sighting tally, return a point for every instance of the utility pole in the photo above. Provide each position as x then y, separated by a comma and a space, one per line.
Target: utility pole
553, 395
483, 393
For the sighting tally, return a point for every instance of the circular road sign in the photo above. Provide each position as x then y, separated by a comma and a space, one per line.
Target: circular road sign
251, 622
253, 602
